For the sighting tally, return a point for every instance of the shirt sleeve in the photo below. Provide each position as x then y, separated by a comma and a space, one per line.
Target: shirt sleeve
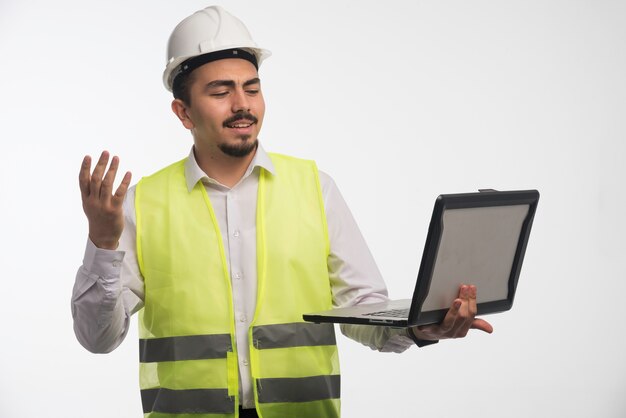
108, 289
354, 275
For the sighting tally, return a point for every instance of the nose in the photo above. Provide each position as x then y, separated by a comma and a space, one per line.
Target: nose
240, 101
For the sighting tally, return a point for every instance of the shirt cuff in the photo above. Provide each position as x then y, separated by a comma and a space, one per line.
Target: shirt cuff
101, 262
398, 341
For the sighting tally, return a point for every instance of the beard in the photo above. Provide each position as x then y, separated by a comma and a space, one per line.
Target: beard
240, 150
243, 148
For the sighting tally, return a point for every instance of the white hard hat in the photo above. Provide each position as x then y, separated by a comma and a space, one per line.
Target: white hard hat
207, 31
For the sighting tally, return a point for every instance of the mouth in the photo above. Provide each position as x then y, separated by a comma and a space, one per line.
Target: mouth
239, 124
240, 121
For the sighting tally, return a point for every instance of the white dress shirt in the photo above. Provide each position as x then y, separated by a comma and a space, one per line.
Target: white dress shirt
109, 287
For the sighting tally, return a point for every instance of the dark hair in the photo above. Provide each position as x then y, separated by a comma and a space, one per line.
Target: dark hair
181, 87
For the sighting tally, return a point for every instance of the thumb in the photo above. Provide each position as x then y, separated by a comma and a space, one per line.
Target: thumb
482, 325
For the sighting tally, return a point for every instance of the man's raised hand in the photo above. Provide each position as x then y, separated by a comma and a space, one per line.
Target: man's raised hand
103, 209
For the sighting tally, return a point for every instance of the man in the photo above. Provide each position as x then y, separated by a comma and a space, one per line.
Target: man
225, 250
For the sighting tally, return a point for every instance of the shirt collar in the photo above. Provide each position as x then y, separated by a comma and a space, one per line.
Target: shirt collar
194, 174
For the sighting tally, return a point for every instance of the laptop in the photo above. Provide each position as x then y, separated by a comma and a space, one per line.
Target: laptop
473, 238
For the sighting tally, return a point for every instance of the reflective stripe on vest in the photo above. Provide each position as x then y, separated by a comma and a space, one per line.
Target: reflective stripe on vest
296, 334
301, 389
190, 401
187, 347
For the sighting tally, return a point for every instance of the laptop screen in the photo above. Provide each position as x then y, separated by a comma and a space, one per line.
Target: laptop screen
477, 246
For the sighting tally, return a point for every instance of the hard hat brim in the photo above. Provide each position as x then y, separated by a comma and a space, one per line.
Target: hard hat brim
170, 70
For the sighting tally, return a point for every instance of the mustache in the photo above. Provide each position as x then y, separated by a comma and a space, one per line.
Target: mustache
240, 116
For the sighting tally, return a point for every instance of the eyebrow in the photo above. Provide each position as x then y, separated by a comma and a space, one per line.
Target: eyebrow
231, 83
255, 80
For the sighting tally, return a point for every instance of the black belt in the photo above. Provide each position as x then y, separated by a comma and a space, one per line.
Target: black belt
247, 413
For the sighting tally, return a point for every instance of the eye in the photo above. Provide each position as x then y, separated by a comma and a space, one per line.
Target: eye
219, 94
252, 92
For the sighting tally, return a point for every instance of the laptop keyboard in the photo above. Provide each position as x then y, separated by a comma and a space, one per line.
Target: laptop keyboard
394, 313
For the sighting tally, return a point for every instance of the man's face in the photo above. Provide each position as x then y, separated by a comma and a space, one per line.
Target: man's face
227, 108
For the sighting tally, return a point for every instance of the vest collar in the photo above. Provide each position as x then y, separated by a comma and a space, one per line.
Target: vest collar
194, 174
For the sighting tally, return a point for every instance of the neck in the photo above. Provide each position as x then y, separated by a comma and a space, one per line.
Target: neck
226, 169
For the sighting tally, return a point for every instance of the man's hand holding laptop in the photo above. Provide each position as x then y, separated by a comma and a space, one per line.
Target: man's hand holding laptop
461, 317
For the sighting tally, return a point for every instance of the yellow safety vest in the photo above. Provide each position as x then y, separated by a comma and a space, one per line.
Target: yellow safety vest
188, 351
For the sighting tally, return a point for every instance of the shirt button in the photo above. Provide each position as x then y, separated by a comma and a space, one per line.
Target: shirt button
236, 233
242, 318
237, 276
117, 263
245, 362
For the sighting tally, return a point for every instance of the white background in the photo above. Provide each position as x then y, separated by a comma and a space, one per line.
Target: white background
399, 102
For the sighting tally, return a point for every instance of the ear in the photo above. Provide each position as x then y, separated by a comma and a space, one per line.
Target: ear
180, 110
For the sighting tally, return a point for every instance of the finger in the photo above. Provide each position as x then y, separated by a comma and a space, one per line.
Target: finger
109, 178
467, 312
464, 316
118, 197
464, 292
473, 306
482, 325
463, 321
451, 317
83, 176
96, 176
